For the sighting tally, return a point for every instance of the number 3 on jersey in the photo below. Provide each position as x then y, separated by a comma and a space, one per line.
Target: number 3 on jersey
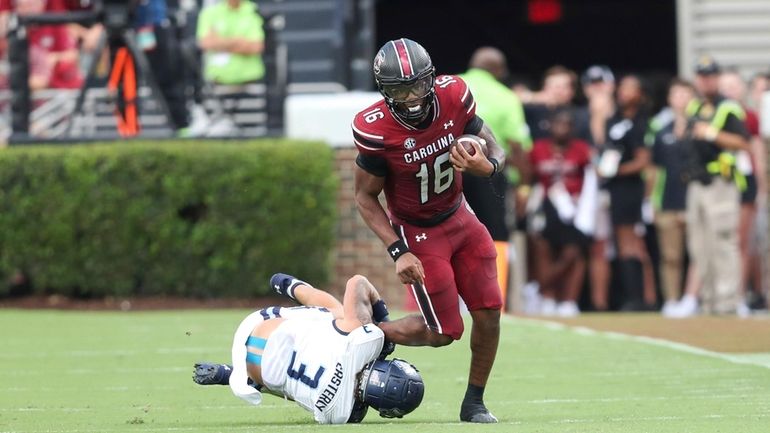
443, 176
299, 373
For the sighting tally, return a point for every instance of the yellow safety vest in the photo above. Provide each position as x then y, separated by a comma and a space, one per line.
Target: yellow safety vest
724, 165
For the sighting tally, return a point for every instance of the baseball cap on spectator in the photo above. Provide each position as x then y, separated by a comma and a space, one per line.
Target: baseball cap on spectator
707, 66
597, 73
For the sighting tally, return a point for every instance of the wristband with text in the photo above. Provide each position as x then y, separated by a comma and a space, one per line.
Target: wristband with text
397, 249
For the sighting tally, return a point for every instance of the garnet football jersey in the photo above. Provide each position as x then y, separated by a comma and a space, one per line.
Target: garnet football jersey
420, 182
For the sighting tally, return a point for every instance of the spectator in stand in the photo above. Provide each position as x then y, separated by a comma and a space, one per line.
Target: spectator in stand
158, 40
231, 35
624, 157
558, 91
53, 52
713, 198
599, 88
504, 115
559, 84
732, 86
559, 248
667, 188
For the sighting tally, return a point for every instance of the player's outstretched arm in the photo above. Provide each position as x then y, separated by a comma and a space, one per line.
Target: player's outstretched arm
362, 304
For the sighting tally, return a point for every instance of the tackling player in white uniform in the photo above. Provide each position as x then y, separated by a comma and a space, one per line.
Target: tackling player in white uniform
323, 355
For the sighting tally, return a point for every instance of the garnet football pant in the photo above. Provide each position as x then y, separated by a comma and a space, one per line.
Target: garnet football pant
459, 258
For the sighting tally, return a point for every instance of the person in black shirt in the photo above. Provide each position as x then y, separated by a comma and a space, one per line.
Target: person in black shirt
559, 87
624, 157
668, 189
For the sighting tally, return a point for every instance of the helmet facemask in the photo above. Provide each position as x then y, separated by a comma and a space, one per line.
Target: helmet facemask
410, 100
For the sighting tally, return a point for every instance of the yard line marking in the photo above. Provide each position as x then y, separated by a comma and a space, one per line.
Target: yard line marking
673, 345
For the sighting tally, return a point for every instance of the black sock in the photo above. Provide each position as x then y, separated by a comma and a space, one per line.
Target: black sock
474, 394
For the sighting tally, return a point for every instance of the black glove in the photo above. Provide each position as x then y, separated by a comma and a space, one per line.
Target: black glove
388, 347
380, 311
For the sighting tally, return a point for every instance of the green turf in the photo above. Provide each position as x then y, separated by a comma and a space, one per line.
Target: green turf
130, 372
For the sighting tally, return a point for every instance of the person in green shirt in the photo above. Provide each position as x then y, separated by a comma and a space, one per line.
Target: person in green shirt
231, 36
500, 108
502, 111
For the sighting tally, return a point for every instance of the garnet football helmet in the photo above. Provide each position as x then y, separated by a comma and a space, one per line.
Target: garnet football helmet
405, 75
392, 387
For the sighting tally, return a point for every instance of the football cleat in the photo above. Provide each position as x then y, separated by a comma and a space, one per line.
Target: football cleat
476, 413
207, 373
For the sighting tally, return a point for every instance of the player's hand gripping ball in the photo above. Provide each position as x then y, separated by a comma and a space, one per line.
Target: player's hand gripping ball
467, 141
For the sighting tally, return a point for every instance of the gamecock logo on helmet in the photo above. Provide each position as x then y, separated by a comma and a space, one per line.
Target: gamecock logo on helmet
378, 61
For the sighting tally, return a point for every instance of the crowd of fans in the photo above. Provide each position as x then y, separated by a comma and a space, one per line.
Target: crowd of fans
216, 42
644, 210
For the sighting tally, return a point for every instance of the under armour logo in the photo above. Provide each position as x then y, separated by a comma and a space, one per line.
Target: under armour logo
394, 252
449, 124
421, 237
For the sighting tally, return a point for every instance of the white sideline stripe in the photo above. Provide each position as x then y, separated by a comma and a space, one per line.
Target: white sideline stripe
680, 347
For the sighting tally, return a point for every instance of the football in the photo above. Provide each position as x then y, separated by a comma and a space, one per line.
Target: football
465, 141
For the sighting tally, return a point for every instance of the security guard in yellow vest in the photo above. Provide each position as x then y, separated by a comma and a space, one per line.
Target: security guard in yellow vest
716, 131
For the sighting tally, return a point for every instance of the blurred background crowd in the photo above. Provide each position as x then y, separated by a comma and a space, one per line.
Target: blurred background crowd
633, 189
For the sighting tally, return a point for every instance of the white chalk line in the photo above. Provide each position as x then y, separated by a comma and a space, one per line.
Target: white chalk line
750, 359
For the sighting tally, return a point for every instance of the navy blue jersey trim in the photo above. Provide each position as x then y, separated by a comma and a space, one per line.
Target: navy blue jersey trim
334, 324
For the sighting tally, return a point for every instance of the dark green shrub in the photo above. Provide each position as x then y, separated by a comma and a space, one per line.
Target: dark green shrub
178, 218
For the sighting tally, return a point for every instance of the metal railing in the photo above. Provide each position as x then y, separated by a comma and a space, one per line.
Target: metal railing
242, 108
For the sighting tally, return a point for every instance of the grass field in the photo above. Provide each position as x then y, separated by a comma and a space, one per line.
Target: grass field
130, 372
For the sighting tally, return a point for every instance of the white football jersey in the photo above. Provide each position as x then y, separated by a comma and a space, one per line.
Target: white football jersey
309, 360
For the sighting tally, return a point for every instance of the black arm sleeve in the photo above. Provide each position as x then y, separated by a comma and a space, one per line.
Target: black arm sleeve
474, 126
372, 164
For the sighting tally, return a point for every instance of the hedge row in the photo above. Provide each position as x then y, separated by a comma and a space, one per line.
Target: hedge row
178, 218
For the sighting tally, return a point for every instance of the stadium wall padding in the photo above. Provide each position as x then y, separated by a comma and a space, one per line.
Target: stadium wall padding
207, 219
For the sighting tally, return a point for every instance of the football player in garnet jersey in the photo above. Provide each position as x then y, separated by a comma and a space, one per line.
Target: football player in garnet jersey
439, 246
